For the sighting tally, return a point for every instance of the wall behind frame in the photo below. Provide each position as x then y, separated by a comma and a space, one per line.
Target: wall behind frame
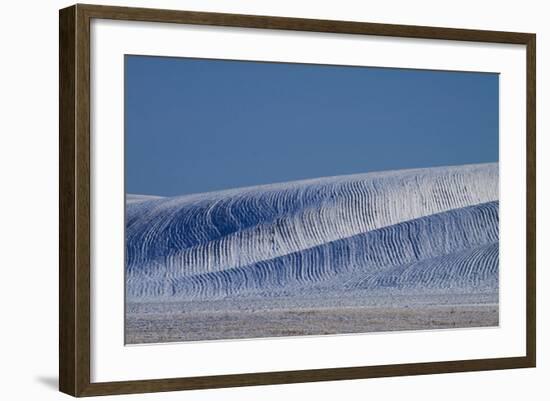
28, 212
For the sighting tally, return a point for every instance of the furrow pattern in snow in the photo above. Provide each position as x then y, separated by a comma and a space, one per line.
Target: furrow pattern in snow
417, 254
213, 232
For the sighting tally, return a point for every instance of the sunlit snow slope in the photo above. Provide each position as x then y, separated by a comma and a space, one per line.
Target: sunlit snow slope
409, 231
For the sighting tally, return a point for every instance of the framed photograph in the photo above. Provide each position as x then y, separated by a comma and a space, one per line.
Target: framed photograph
250, 200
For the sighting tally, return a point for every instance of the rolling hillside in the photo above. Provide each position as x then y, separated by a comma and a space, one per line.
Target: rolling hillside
420, 231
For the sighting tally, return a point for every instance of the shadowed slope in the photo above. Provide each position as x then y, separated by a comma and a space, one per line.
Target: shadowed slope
436, 245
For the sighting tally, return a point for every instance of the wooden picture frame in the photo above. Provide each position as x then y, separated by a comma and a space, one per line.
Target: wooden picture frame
74, 200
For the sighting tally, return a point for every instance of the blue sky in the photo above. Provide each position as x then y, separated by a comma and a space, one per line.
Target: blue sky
198, 125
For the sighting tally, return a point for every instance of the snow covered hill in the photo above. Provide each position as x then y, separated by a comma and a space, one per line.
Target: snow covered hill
409, 231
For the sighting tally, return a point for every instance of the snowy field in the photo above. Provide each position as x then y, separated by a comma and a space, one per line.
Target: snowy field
394, 250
